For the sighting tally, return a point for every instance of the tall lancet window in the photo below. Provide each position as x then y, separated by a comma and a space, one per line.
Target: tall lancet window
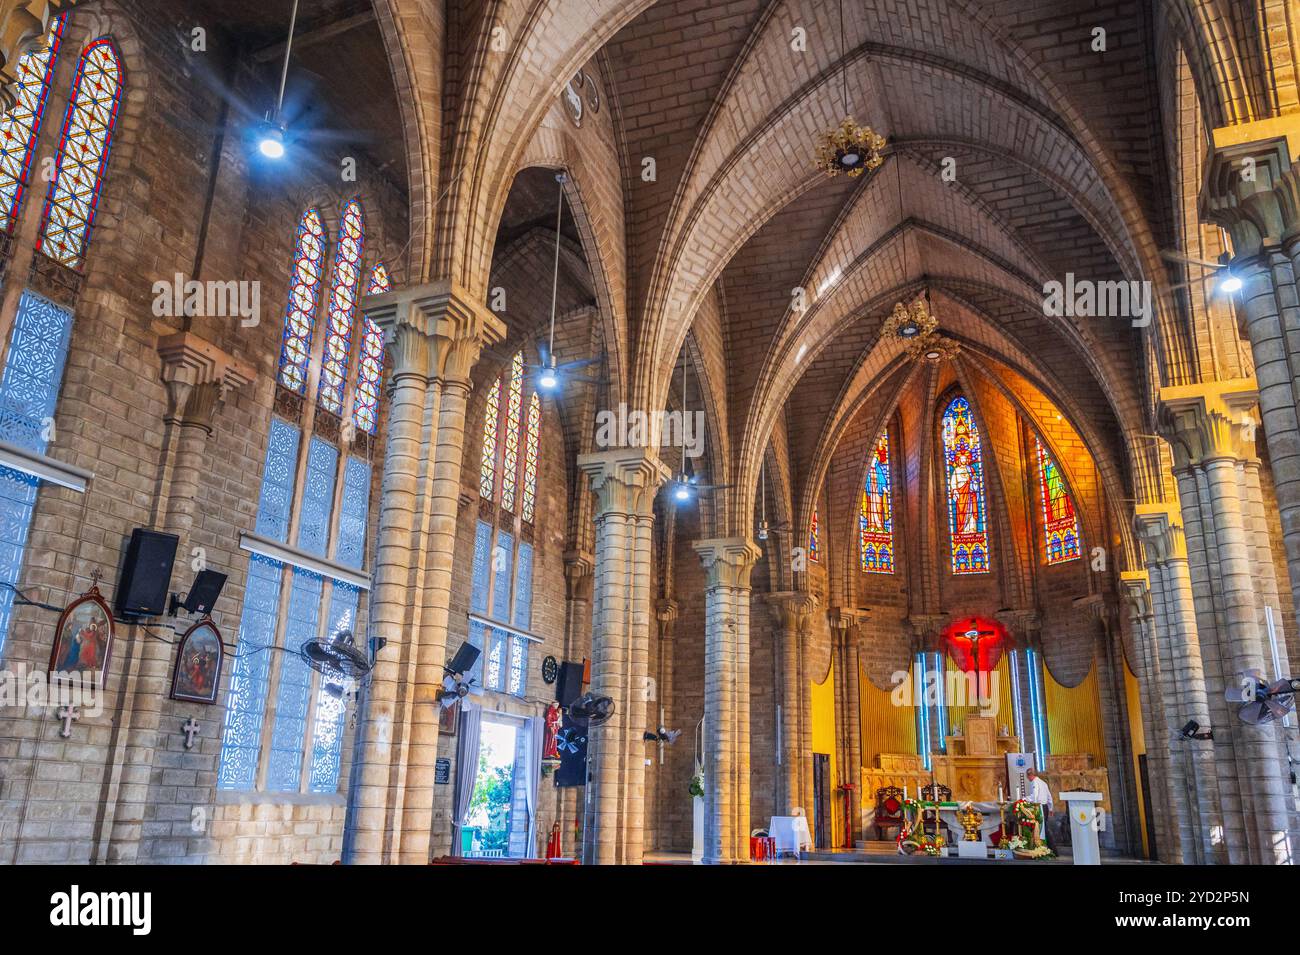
20, 127
876, 518
1060, 524
501, 594
285, 722
967, 514
815, 537
83, 154
342, 308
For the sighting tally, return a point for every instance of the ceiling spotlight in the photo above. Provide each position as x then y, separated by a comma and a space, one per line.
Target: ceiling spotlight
682, 492
549, 379
270, 142
1229, 284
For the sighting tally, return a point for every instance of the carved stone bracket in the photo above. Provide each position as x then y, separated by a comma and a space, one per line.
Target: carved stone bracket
197, 375
23, 24
1160, 526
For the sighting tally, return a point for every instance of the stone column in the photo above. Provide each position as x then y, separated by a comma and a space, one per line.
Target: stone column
667, 784
848, 689
625, 481
729, 562
196, 374
578, 567
795, 609
1207, 421
1261, 212
1195, 793
434, 334
1155, 727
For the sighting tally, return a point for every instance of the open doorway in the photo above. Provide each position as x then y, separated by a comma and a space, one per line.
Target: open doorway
497, 823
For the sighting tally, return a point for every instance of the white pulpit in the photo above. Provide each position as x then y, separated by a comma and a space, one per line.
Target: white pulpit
1085, 820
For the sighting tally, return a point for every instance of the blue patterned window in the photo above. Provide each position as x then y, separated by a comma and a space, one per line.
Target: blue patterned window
284, 771
29, 393
274, 503
524, 587
327, 728
318, 496
241, 737
353, 512
502, 579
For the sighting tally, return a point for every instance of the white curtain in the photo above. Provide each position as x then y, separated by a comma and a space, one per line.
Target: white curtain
471, 726
534, 729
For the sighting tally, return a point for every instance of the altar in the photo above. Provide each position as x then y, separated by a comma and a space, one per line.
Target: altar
974, 768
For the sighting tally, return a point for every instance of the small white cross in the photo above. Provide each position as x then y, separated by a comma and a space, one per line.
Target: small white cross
68, 714
190, 728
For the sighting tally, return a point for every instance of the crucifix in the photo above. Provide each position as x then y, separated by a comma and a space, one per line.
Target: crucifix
191, 727
68, 714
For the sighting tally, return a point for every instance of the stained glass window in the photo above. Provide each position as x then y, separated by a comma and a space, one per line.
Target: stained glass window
1060, 524
378, 283
342, 307
530, 457
967, 519
29, 393
510, 454
22, 124
241, 736
293, 694
304, 288
83, 154
487, 474
815, 538
876, 517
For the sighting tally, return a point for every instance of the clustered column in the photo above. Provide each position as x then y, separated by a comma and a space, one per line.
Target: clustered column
625, 481
726, 697
795, 609
435, 336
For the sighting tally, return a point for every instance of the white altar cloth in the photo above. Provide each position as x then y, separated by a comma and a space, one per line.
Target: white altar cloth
790, 833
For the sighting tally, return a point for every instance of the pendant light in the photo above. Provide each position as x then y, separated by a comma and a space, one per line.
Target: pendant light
271, 137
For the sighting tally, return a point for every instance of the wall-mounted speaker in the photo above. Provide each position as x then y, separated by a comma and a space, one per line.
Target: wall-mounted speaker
146, 574
569, 685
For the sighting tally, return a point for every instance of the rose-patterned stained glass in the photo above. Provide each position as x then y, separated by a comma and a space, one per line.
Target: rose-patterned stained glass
530, 457
487, 472
304, 289
378, 283
82, 155
967, 521
342, 307
1060, 523
876, 516
29, 393
815, 538
21, 125
510, 454
370, 376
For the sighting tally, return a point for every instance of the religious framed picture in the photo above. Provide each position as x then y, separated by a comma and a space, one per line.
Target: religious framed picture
83, 638
573, 102
197, 675
448, 719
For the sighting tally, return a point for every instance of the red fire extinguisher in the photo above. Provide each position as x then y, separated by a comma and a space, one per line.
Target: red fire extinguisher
553, 848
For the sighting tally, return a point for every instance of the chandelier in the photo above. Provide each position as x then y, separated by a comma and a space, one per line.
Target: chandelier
910, 323
848, 148
934, 348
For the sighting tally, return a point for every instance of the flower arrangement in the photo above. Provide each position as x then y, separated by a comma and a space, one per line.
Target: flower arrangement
696, 787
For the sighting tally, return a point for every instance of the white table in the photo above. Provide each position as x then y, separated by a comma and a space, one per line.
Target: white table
790, 834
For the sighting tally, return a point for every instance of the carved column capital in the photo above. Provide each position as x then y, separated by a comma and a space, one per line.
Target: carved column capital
189, 363
436, 330
1210, 420
625, 480
23, 24
1136, 585
1251, 189
796, 607
1160, 527
666, 610
728, 560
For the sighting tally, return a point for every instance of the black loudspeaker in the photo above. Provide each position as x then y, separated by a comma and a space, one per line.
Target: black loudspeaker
569, 686
464, 659
146, 573
204, 592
